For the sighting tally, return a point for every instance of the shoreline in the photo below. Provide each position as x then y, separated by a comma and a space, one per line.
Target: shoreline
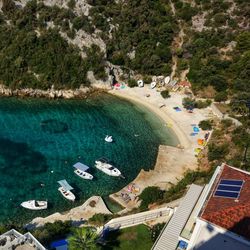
158, 111
80, 93
171, 162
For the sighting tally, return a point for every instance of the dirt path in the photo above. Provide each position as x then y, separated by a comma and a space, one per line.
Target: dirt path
177, 43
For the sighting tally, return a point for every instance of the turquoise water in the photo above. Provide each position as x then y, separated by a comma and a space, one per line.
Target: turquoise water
41, 139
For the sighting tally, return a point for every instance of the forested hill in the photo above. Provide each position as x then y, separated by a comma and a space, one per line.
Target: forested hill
58, 41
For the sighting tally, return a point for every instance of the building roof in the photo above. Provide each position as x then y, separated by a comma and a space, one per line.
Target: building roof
230, 213
14, 240
185, 84
169, 237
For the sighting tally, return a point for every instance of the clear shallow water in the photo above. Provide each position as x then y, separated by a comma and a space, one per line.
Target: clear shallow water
41, 139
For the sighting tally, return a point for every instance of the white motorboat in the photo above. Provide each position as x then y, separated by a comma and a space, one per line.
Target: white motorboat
65, 190
35, 205
104, 165
108, 138
81, 171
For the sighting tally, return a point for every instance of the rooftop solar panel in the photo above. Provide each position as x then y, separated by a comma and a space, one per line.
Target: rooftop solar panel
232, 182
227, 194
229, 188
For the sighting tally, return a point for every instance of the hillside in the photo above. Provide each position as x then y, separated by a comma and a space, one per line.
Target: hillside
45, 43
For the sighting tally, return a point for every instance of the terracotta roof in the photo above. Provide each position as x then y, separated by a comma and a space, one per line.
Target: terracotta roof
231, 214
185, 84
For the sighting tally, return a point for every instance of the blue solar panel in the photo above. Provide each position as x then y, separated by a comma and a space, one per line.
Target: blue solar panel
227, 194
229, 188
231, 182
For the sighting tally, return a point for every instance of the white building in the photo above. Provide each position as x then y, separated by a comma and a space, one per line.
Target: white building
14, 240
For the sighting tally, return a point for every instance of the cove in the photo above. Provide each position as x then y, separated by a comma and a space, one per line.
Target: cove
41, 139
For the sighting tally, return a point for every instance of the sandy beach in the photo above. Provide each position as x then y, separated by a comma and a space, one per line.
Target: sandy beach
172, 162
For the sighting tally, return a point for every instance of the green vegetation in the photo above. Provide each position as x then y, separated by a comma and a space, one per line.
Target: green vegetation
138, 237
205, 125
156, 230
100, 219
33, 55
165, 94
150, 195
132, 83
52, 231
154, 195
230, 144
84, 238
190, 103
145, 28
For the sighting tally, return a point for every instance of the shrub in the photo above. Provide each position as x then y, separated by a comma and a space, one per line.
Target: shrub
227, 123
188, 102
132, 83
217, 152
165, 94
156, 230
205, 125
100, 219
150, 195
202, 104
71, 4
221, 96
147, 79
52, 231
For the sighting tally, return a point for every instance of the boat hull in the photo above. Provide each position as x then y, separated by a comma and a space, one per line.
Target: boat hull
67, 194
35, 205
105, 168
84, 175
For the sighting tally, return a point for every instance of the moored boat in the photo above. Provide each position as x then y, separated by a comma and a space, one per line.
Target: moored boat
65, 190
35, 205
104, 165
81, 171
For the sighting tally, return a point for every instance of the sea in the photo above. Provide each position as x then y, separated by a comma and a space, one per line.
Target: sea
41, 139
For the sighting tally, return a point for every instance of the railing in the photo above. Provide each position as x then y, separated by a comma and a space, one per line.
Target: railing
135, 219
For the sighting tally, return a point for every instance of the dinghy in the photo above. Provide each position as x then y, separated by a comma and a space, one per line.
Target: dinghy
140, 83
65, 190
152, 85
81, 171
35, 205
166, 80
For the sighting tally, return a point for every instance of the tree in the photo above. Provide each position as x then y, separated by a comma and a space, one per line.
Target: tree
84, 238
165, 94
132, 83
205, 125
221, 96
150, 195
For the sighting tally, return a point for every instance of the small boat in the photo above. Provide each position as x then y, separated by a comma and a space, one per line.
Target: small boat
35, 205
65, 190
140, 83
152, 85
104, 165
166, 80
81, 171
108, 138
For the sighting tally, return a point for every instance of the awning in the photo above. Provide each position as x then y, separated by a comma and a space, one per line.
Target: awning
65, 185
80, 166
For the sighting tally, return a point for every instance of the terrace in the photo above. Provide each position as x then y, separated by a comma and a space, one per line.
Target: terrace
14, 240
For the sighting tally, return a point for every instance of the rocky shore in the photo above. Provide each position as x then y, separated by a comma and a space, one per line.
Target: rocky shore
51, 93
